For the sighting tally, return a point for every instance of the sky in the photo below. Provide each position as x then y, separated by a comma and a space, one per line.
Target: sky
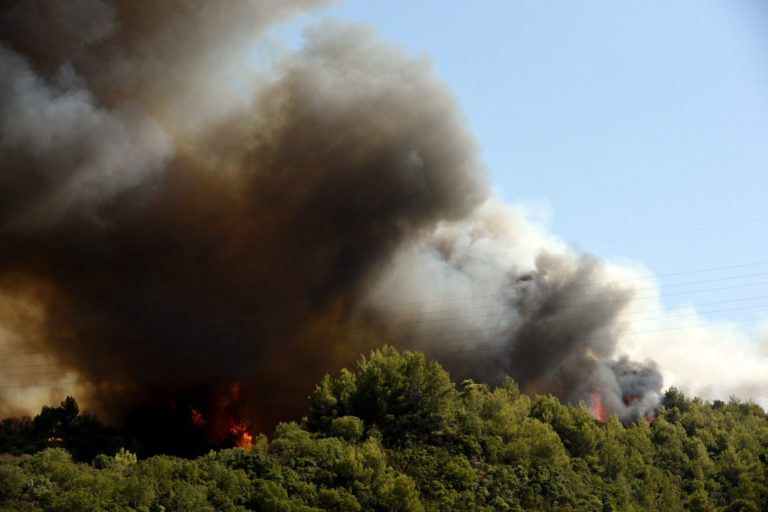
636, 131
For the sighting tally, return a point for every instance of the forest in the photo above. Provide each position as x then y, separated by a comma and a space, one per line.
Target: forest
397, 434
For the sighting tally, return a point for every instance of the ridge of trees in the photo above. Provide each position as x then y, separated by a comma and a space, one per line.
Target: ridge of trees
397, 434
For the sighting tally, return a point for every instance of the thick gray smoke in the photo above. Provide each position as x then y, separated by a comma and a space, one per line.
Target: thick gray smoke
490, 296
173, 221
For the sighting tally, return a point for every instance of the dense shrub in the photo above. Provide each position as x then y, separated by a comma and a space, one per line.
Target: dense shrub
398, 435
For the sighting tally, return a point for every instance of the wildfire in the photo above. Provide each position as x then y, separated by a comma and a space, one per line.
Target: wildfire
237, 428
601, 412
222, 425
197, 417
628, 399
55, 439
240, 433
597, 409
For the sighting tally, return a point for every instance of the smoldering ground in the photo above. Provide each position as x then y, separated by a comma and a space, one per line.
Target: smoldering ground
171, 222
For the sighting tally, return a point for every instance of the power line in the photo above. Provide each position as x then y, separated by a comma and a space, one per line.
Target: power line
243, 318
467, 332
618, 293
613, 282
239, 281
601, 293
419, 321
684, 230
446, 336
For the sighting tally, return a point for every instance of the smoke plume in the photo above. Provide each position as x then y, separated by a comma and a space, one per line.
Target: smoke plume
174, 220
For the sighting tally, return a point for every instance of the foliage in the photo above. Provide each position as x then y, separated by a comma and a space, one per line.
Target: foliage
398, 435
64, 426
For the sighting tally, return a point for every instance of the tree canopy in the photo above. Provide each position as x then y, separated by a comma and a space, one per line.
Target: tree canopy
396, 434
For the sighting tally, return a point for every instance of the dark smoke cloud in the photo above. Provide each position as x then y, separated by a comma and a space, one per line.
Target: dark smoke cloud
515, 304
171, 224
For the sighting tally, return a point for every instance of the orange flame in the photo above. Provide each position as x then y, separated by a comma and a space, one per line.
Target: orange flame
238, 429
597, 407
601, 412
56, 439
197, 417
242, 437
628, 399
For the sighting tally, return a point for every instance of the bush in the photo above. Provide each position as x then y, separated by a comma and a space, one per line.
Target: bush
347, 427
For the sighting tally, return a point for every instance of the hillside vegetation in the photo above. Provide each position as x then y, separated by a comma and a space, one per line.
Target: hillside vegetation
398, 435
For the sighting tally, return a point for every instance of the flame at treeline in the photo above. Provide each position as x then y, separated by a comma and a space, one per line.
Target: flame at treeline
242, 437
597, 407
176, 217
224, 425
602, 411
